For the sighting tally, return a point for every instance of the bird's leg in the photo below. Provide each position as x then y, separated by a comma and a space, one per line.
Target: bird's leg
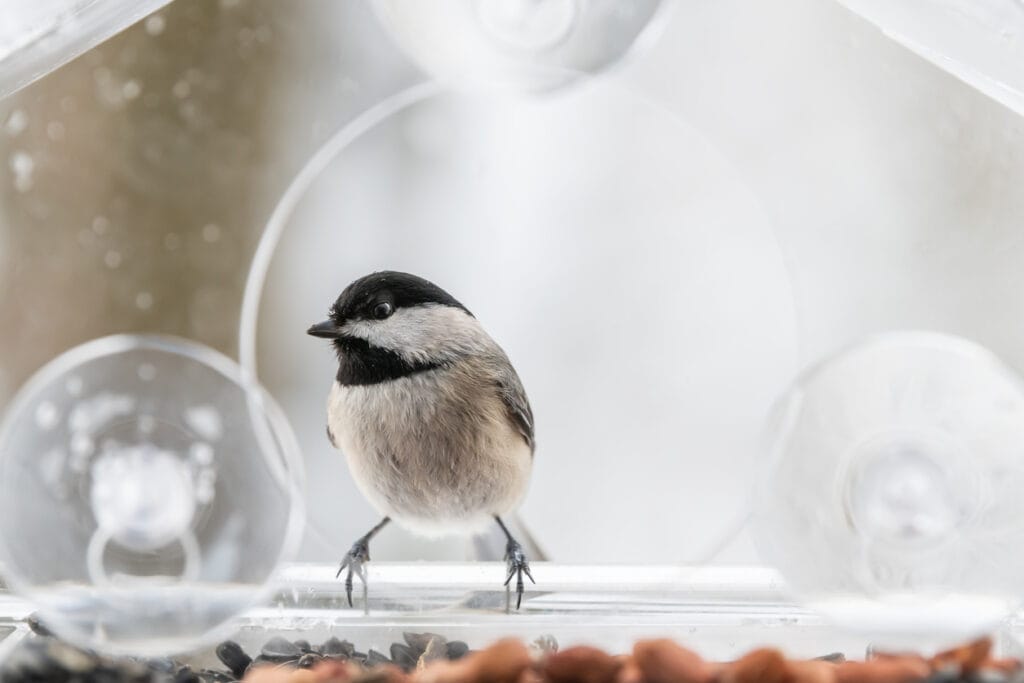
357, 556
517, 562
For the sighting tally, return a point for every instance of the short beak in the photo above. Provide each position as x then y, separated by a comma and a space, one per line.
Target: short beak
328, 329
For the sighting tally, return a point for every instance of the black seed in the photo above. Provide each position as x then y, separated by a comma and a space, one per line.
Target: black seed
333, 647
358, 656
303, 645
280, 650
457, 649
37, 626
834, 657
186, 675
404, 656
419, 641
375, 658
437, 649
233, 657
308, 660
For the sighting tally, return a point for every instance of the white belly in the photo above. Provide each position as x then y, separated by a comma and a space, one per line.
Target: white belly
434, 452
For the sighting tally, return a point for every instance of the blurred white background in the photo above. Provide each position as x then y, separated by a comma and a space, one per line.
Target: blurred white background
659, 247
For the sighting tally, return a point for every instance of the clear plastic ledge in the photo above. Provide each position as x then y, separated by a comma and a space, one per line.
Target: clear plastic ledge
721, 612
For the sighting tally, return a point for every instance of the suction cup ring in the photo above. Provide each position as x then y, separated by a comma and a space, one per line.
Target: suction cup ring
101, 539
546, 26
904, 489
143, 498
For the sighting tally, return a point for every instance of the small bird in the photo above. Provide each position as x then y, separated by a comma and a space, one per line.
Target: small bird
429, 413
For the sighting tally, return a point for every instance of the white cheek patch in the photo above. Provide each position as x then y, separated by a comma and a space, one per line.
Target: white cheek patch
431, 332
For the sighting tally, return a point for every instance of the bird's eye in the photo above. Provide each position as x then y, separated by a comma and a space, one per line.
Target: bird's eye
382, 310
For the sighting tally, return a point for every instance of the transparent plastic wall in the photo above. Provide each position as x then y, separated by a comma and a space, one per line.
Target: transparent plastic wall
660, 241
38, 36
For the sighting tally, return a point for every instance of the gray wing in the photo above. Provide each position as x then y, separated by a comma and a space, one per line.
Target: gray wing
514, 396
330, 437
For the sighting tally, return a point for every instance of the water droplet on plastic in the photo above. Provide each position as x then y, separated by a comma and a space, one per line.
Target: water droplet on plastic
205, 488
201, 453
147, 372
171, 241
131, 89
206, 422
22, 162
112, 259
144, 301
23, 166
211, 232
90, 414
181, 89
47, 416
155, 24
16, 123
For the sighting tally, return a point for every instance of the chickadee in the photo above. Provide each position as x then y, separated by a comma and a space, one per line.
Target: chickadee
429, 412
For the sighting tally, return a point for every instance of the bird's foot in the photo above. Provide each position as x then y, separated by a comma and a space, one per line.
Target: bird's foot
354, 560
517, 566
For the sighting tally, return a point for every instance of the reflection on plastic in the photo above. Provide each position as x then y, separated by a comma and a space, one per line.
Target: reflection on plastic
148, 493
891, 500
980, 42
37, 36
519, 45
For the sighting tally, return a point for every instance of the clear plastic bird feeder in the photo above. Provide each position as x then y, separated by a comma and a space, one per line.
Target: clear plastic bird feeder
147, 493
891, 501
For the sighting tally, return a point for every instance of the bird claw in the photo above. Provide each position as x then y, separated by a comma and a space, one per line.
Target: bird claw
353, 561
517, 566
